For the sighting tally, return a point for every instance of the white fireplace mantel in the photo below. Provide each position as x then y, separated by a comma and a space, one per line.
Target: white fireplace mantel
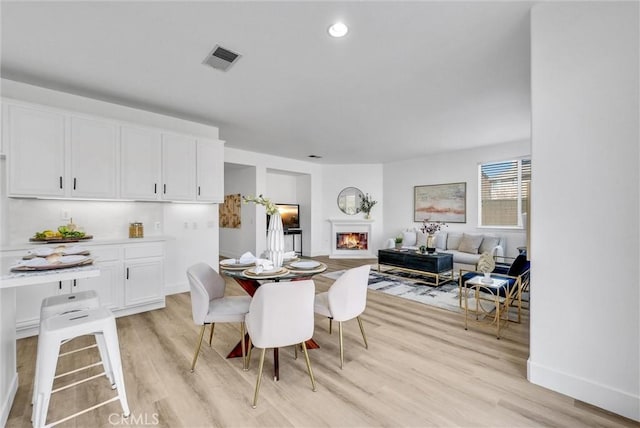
347, 225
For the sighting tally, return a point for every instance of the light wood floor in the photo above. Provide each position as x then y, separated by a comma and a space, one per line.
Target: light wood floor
421, 369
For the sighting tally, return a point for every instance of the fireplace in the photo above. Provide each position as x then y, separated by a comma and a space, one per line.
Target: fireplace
351, 239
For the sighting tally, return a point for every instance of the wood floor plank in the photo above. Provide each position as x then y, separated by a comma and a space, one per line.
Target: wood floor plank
421, 369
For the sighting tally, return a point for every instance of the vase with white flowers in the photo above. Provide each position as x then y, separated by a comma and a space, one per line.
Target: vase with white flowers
366, 204
275, 230
430, 228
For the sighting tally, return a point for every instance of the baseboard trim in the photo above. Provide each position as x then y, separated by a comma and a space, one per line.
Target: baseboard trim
603, 396
176, 288
8, 402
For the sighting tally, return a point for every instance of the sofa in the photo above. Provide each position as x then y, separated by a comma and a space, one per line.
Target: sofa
466, 248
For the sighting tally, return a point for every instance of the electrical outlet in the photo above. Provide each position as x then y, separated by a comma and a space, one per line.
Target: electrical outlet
186, 225
211, 224
195, 225
64, 215
157, 226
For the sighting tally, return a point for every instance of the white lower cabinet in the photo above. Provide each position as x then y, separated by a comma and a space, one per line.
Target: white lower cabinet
131, 281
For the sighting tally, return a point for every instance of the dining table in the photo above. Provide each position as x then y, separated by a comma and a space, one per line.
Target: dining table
250, 279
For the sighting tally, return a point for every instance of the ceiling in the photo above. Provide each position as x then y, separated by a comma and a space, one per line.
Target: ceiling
409, 79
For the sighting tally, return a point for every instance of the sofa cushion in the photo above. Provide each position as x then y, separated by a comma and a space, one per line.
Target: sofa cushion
408, 239
441, 240
453, 240
470, 243
519, 265
421, 239
488, 244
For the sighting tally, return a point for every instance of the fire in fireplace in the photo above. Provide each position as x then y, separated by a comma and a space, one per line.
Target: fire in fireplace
352, 241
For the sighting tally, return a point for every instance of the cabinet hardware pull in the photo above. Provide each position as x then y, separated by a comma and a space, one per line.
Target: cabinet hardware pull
155, 188
127, 273
165, 189
198, 190
59, 285
74, 283
61, 182
74, 183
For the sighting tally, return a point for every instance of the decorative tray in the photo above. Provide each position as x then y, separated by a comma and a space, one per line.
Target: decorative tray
48, 266
60, 240
250, 273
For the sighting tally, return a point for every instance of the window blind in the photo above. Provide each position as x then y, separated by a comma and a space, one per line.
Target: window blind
504, 192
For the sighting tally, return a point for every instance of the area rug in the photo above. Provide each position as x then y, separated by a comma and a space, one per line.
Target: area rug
411, 286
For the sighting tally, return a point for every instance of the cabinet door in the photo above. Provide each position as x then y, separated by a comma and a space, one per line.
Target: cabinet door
94, 158
106, 285
210, 171
178, 168
36, 151
140, 163
144, 281
29, 299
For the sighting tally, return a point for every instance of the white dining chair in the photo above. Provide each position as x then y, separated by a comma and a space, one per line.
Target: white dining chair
209, 304
281, 314
345, 300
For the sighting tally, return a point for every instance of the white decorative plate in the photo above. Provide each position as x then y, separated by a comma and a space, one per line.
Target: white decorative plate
305, 264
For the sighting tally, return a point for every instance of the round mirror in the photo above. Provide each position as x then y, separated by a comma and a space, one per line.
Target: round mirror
349, 200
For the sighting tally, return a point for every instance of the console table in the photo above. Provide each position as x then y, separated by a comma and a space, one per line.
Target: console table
438, 266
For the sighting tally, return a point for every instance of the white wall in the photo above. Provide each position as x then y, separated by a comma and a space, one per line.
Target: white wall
451, 167
367, 178
234, 242
585, 327
308, 192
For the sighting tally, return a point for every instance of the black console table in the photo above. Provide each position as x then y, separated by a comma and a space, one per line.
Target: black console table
295, 232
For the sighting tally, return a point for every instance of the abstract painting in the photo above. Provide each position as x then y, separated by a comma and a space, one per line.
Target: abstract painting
440, 202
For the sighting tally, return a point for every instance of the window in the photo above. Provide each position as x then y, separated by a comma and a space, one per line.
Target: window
504, 193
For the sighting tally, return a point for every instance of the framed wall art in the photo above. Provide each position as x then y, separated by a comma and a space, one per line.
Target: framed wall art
440, 202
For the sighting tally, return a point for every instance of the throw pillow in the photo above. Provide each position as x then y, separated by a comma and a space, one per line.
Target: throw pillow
470, 243
421, 239
453, 240
519, 265
408, 239
441, 240
488, 244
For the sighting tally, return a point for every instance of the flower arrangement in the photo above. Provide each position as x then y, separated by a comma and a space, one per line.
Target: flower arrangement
431, 227
367, 203
261, 200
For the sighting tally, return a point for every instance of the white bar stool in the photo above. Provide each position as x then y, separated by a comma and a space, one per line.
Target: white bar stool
57, 329
65, 303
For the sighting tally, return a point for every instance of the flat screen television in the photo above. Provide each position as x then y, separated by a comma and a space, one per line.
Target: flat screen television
290, 214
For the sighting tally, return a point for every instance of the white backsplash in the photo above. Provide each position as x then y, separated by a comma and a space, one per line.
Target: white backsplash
102, 219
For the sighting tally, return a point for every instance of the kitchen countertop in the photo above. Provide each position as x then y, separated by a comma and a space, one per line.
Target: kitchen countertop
87, 243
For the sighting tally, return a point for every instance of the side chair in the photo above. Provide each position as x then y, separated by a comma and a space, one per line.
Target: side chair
209, 305
345, 300
281, 314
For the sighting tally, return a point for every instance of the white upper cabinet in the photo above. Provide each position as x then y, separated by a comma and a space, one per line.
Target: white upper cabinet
36, 151
178, 168
210, 171
94, 158
52, 153
140, 163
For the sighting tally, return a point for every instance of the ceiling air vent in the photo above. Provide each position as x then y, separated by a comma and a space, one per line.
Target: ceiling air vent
221, 58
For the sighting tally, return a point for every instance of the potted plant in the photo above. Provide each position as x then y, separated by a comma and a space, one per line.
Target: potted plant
366, 204
399, 241
423, 249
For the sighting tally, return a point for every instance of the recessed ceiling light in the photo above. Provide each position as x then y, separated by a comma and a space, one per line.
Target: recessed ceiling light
338, 30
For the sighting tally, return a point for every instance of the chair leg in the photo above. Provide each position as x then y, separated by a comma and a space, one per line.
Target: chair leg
341, 344
255, 395
306, 357
366, 345
211, 334
195, 356
244, 351
295, 352
248, 353
330, 324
